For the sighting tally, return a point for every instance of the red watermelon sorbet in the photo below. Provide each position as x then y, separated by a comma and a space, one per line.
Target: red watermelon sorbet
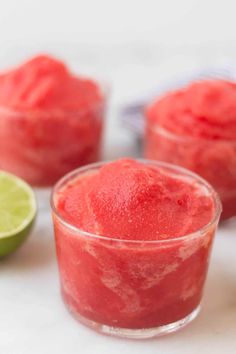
50, 120
133, 242
195, 127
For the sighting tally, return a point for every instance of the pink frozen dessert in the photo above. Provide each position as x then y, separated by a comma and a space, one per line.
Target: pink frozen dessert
50, 120
195, 127
133, 243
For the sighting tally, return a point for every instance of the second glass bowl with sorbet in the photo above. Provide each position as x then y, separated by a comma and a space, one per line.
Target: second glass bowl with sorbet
133, 242
195, 127
50, 120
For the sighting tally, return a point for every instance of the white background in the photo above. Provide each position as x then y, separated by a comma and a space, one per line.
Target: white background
164, 21
135, 44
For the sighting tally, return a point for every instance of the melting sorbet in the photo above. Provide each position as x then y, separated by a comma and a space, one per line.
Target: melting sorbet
195, 127
50, 120
130, 200
145, 271
46, 83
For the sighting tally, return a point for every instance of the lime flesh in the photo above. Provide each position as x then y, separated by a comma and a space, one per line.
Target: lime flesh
17, 212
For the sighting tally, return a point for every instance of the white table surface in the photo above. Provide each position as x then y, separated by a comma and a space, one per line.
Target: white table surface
33, 319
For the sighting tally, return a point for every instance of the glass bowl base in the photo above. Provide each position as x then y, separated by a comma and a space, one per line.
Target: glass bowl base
143, 333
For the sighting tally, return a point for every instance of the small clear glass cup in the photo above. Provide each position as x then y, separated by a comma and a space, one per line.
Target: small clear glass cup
41, 146
133, 289
214, 160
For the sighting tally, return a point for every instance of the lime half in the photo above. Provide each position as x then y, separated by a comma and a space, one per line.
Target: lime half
17, 212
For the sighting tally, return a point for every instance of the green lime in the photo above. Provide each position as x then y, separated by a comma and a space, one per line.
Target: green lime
17, 212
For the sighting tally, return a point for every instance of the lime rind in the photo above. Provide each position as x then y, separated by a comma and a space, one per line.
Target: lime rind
17, 206
9, 245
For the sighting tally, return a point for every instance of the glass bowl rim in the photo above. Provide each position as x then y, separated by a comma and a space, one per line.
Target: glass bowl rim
200, 232
103, 85
159, 129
